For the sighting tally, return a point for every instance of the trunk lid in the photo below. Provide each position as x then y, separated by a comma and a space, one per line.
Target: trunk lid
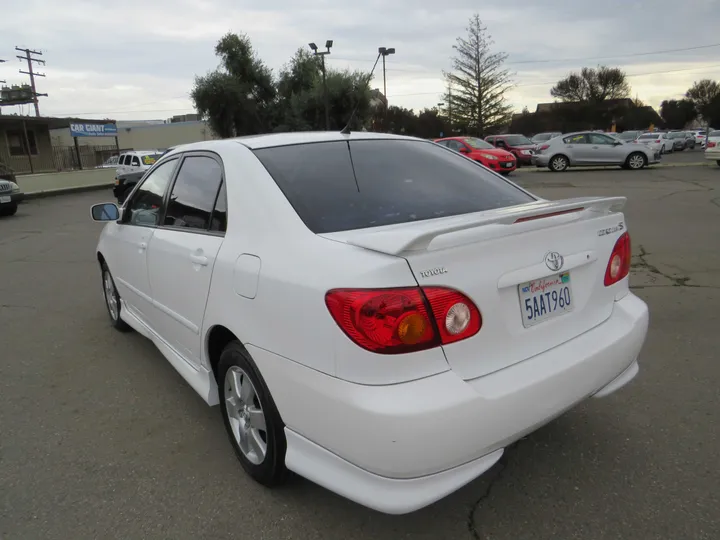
491, 256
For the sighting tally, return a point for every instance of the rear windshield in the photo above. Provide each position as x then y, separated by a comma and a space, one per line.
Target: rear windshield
627, 135
340, 186
650, 136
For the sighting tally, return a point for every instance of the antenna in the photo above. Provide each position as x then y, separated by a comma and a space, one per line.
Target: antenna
346, 129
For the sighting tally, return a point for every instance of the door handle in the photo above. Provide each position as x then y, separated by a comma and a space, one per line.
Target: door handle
202, 260
596, 147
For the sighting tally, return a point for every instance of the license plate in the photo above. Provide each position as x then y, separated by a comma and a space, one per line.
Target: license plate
546, 298
5, 199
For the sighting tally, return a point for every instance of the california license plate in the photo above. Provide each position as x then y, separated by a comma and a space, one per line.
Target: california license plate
5, 199
546, 298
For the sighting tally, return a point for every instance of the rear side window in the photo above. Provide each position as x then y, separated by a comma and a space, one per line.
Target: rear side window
338, 186
193, 196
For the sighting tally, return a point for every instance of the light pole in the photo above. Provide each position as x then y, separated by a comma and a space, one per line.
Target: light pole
385, 51
321, 54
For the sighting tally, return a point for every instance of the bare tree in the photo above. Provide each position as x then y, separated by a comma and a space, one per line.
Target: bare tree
592, 85
478, 81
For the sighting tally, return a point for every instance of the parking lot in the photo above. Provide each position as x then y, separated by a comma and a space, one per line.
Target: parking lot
101, 438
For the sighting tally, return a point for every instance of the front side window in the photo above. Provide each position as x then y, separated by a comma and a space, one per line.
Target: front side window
596, 138
193, 196
339, 186
517, 140
146, 204
135, 161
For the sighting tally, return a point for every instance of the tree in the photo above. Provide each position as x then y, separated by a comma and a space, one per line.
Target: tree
705, 95
677, 113
592, 85
479, 81
238, 97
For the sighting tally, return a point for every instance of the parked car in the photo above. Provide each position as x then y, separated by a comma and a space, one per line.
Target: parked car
699, 135
400, 297
712, 152
627, 136
137, 160
689, 140
125, 182
519, 145
678, 139
483, 152
546, 136
591, 148
658, 141
110, 163
10, 197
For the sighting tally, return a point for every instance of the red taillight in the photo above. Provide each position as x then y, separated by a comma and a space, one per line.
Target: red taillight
544, 147
394, 321
619, 264
710, 144
659, 141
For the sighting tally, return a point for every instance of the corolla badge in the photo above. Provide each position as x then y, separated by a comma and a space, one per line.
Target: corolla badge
554, 261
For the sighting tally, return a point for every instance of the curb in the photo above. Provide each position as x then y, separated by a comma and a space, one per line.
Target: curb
531, 169
64, 191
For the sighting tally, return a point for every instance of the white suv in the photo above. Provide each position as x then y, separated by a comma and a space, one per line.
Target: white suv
377, 313
136, 160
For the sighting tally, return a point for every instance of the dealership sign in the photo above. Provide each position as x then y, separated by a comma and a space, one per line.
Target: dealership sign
93, 130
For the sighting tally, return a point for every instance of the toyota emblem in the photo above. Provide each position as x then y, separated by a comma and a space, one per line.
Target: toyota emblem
554, 261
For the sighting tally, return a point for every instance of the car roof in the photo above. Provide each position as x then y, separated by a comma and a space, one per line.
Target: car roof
254, 142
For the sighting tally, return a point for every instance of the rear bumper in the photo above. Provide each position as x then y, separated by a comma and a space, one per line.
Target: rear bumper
524, 159
712, 156
398, 448
540, 160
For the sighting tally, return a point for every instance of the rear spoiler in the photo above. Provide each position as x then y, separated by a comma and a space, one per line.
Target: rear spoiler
417, 236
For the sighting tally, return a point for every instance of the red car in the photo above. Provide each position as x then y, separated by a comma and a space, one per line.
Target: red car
476, 149
519, 145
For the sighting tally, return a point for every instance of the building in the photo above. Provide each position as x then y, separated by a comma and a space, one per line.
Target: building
26, 145
145, 134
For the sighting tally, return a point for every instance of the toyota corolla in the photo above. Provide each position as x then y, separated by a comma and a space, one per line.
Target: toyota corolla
376, 313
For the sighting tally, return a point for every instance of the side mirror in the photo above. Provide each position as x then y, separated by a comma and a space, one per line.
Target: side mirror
105, 212
618, 143
463, 150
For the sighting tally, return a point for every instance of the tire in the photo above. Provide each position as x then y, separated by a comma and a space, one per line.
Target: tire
558, 163
636, 161
10, 210
112, 301
718, 161
247, 407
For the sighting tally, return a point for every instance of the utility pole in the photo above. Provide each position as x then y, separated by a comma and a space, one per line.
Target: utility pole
385, 51
1, 61
29, 59
321, 54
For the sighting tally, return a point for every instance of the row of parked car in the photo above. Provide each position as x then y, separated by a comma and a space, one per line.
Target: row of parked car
558, 151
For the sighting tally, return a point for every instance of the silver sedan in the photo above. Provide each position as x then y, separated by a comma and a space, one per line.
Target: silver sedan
590, 148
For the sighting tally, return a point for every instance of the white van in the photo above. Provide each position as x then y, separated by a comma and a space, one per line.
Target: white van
137, 160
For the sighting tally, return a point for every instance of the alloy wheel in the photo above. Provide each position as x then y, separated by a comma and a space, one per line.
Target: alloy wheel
245, 414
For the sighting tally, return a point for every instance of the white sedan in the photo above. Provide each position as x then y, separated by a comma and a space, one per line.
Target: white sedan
657, 141
376, 313
712, 148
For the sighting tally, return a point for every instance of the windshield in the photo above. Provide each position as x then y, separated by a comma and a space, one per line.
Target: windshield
676, 135
478, 143
517, 140
649, 136
341, 185
542, 137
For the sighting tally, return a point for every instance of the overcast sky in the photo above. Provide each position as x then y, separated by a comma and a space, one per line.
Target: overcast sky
137, 59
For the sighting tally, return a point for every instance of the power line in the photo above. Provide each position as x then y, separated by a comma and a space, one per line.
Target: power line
555, 60
716, 66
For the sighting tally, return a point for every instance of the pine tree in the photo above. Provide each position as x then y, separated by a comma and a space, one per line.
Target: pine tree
479, 81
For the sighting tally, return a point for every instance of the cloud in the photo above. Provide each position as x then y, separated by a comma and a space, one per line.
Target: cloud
138, 60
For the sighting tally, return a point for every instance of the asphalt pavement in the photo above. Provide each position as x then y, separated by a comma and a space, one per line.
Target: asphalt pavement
100, 438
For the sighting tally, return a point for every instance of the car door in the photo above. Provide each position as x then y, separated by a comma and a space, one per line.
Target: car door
577, 149
129, 241
183, 250
605, 150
